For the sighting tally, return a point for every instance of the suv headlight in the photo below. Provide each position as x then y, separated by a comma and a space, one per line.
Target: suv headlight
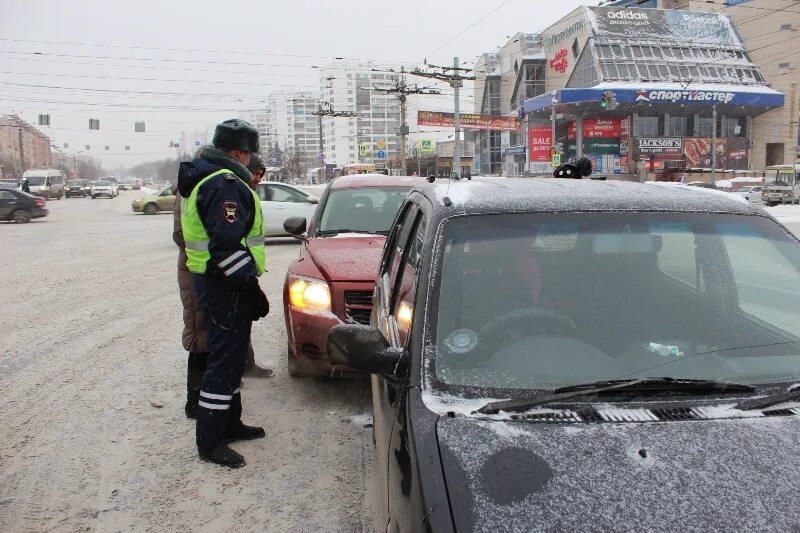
312, 294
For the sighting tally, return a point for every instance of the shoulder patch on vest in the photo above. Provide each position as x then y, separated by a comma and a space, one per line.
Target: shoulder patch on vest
230, 210
230, 176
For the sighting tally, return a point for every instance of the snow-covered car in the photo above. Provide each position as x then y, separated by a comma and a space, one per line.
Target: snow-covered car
573, 355
102, 188
750, 193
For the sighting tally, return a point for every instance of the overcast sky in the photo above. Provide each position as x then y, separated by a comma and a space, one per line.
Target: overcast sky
182, 68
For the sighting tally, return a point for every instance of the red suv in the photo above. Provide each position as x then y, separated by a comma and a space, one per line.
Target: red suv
333, 279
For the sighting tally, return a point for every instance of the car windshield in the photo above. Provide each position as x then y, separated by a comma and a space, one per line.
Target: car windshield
75, 183
102, 183
364, 210
545, 301
36, 180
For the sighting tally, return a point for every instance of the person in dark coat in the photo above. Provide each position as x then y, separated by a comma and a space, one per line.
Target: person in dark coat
195, 337
25, 187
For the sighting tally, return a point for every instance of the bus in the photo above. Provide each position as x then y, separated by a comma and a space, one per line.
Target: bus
781, 185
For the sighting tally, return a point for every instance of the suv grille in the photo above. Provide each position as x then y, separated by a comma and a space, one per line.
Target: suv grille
358, 306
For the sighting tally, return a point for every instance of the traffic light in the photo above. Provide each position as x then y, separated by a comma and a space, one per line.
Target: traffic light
608, 101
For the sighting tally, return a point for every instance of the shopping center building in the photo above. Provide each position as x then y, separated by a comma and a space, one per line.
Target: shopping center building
677, 82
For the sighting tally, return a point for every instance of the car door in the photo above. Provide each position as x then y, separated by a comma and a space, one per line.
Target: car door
8, 201
279, 202
395, 300
166, 200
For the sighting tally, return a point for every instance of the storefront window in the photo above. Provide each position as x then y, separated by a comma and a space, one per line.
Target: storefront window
702, 127
646, 127
676, 127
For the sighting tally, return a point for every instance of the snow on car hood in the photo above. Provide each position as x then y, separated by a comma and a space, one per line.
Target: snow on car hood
741, 474
350, 257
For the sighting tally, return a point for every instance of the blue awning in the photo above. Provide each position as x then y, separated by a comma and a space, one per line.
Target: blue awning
663, 94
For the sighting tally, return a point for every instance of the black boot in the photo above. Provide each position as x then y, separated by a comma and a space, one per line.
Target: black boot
242, 432
192, 397
194, 380
222, 455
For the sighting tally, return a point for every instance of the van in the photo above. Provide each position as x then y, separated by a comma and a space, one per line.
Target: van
47, 183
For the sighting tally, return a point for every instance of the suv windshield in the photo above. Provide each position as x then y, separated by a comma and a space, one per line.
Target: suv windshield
363, 210
102, 183
550, 300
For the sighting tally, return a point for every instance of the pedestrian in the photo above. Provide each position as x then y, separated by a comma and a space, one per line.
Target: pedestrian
25, 187
195, 337
224, 241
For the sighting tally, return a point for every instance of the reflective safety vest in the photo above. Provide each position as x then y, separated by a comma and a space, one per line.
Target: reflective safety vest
196, 238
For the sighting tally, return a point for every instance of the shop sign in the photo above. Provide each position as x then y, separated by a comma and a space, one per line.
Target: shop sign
468, 121
721, 97
515, 150
673, 146
539, 143
572, 29
596, 147
597, 127
559, 63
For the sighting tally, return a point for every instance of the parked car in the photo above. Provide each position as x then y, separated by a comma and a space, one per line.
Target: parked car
153, 203
77, 188
702, 184
102, 188
333, 279
750, 193
47, 183
20, 207
544, 351
280, 201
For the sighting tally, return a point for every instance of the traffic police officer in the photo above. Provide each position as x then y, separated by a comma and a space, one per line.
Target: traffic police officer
223, 229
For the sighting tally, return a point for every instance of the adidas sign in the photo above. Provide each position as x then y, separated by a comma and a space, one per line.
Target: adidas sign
629, 15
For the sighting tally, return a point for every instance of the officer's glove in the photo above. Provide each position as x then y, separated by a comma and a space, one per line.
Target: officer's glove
258, 300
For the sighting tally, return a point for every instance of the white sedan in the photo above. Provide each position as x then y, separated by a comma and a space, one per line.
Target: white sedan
280, 201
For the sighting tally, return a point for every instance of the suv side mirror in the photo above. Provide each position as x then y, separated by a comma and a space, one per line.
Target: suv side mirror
313, 201
364, 348
295, 225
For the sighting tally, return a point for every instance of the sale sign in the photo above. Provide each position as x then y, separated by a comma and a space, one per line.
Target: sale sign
539, 143
603, 128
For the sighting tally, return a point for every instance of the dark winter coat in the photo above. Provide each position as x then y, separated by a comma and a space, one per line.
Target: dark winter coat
195, 337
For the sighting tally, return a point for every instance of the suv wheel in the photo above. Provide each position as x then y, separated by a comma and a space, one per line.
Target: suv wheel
21, 216
150, 209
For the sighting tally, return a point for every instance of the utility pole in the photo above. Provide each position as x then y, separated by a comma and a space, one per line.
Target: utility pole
327, 111
714, 144
456, 81
402, 90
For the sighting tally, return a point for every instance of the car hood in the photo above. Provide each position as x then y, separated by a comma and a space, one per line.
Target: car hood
347, 257
738, 474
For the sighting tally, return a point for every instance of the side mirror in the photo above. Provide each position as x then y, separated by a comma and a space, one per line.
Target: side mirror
295, 225
364, 348
313, 201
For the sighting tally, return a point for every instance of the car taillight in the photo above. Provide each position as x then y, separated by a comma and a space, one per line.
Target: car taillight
39, 202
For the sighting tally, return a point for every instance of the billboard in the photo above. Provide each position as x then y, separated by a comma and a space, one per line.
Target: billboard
468, 121
539, 143
660, 24
597, 128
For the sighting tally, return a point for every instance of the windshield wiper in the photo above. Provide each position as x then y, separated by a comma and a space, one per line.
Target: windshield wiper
645, 385
330, 232
792, 393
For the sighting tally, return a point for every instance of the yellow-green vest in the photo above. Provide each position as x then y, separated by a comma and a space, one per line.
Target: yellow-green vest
196, 238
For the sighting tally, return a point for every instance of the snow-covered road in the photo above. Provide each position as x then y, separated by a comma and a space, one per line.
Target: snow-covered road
93, 434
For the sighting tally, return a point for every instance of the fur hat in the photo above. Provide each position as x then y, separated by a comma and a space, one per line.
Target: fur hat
236, 134
256, 163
